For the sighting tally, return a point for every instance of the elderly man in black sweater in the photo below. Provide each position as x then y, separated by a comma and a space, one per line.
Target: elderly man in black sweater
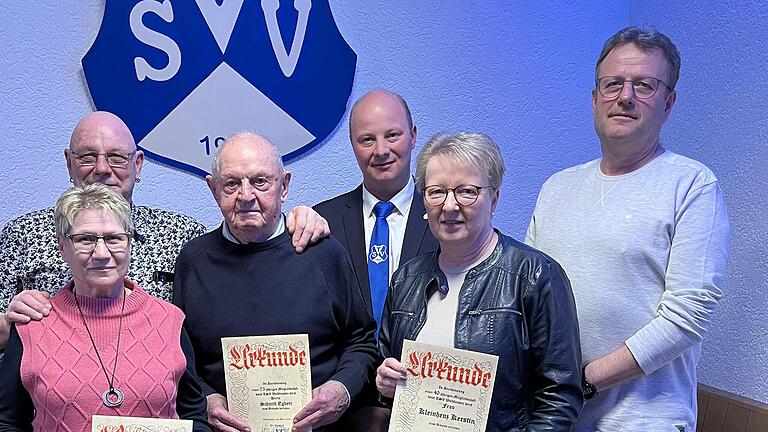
246, 279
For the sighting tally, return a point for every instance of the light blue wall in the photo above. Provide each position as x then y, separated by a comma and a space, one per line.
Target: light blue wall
520, 71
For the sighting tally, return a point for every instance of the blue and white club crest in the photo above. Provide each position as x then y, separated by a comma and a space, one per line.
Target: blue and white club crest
378, 253
184, 74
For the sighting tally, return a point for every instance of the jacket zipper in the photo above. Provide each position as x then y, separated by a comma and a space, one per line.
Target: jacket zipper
494, 311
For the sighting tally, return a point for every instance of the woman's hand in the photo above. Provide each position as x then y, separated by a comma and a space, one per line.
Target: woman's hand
387, 375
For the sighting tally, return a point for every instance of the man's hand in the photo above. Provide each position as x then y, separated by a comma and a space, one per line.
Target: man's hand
28, 305
328, 404
306, 226
387, 375
220, 418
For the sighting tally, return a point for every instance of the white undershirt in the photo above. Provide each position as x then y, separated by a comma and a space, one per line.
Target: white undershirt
440, 326
397, 221
229, 236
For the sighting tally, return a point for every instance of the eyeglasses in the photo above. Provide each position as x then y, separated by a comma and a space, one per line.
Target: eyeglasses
261, 184
114, 159
465, 195
115, 242
644, 88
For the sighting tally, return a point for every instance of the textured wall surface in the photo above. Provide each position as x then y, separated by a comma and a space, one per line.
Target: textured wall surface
720, 119
520, 71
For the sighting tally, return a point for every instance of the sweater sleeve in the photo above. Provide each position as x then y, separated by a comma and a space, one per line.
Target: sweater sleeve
693, 280
16, 408
191, 404
358, 348
12, 252
554, 337
181, 272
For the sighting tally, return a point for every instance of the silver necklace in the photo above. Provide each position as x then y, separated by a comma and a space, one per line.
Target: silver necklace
113, 396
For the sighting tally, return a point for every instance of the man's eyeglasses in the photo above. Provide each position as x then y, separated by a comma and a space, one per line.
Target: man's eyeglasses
114, 159
465, 195
115, 242
261, 184
644, 88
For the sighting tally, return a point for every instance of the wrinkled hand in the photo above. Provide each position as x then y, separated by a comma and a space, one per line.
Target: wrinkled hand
220, 418
306, 226
328, 404
28, 305
387, 375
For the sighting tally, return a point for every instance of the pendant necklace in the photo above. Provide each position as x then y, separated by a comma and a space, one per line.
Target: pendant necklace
113, 396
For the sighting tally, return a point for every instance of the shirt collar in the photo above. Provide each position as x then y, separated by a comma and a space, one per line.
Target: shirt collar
229, 236
401, 200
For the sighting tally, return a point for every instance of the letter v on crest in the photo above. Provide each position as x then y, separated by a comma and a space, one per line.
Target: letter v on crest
221, 21
287, 61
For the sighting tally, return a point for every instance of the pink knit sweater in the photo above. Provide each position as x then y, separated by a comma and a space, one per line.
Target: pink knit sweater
62, 374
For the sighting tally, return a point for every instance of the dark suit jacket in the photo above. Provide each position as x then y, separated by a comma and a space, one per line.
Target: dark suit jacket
344, 214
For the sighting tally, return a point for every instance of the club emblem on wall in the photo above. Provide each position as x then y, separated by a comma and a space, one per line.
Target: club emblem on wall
184, 74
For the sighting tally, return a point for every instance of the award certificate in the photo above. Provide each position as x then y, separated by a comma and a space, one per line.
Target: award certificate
269, 379
446, 389
138, 424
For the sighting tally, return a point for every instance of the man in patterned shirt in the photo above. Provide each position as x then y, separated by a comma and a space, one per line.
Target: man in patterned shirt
102, 150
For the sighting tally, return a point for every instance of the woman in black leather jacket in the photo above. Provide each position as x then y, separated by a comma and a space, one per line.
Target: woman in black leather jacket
483, 291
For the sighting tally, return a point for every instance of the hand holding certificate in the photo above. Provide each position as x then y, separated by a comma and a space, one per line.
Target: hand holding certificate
268, 379
445, 389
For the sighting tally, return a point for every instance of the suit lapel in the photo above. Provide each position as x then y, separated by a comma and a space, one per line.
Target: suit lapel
415, 229
355, 238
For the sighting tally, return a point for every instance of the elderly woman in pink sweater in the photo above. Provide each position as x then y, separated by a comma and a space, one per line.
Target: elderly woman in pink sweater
107, 347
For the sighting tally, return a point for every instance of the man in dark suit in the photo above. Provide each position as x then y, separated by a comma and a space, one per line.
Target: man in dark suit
383, 137
381, 223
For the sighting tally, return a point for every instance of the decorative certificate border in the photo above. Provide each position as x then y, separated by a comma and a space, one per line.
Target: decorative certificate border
138, 424
412, 396
240, 378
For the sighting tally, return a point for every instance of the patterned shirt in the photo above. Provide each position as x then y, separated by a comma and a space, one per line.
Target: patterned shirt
30, 258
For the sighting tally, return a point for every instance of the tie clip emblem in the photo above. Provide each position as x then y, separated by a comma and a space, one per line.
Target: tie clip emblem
378, 253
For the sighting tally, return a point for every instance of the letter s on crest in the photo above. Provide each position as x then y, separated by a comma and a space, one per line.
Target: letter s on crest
164, 10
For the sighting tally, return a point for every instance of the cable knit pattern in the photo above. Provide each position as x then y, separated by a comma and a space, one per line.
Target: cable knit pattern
63, 376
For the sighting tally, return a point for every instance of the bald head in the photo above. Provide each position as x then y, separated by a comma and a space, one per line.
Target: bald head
102, 150
250, 185
383, 137
375, 96
101, 123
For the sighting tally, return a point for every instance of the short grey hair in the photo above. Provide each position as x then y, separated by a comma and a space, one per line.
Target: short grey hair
475, 148
647, 39
278, 160
90, 197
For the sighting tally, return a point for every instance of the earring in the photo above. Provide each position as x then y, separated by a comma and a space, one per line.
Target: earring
138, 180
71, 181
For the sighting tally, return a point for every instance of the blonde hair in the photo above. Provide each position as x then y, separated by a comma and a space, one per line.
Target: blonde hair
95, 196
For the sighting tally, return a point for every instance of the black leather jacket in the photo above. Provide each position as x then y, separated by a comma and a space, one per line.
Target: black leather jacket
516, 304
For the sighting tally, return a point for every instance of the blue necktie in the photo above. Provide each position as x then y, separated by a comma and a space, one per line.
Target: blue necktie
378, 260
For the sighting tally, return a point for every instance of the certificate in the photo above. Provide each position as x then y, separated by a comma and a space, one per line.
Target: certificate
269, 379
138, 424
445, 389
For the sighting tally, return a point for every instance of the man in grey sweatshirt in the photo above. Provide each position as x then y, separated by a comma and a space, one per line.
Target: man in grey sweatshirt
643, 235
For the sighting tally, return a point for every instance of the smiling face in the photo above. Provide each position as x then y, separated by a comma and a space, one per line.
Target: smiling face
103, 133
99, 273
455, 226
250, 188
626, 124
382, 140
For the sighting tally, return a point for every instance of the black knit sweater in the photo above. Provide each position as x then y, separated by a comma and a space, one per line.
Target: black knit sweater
228, 289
